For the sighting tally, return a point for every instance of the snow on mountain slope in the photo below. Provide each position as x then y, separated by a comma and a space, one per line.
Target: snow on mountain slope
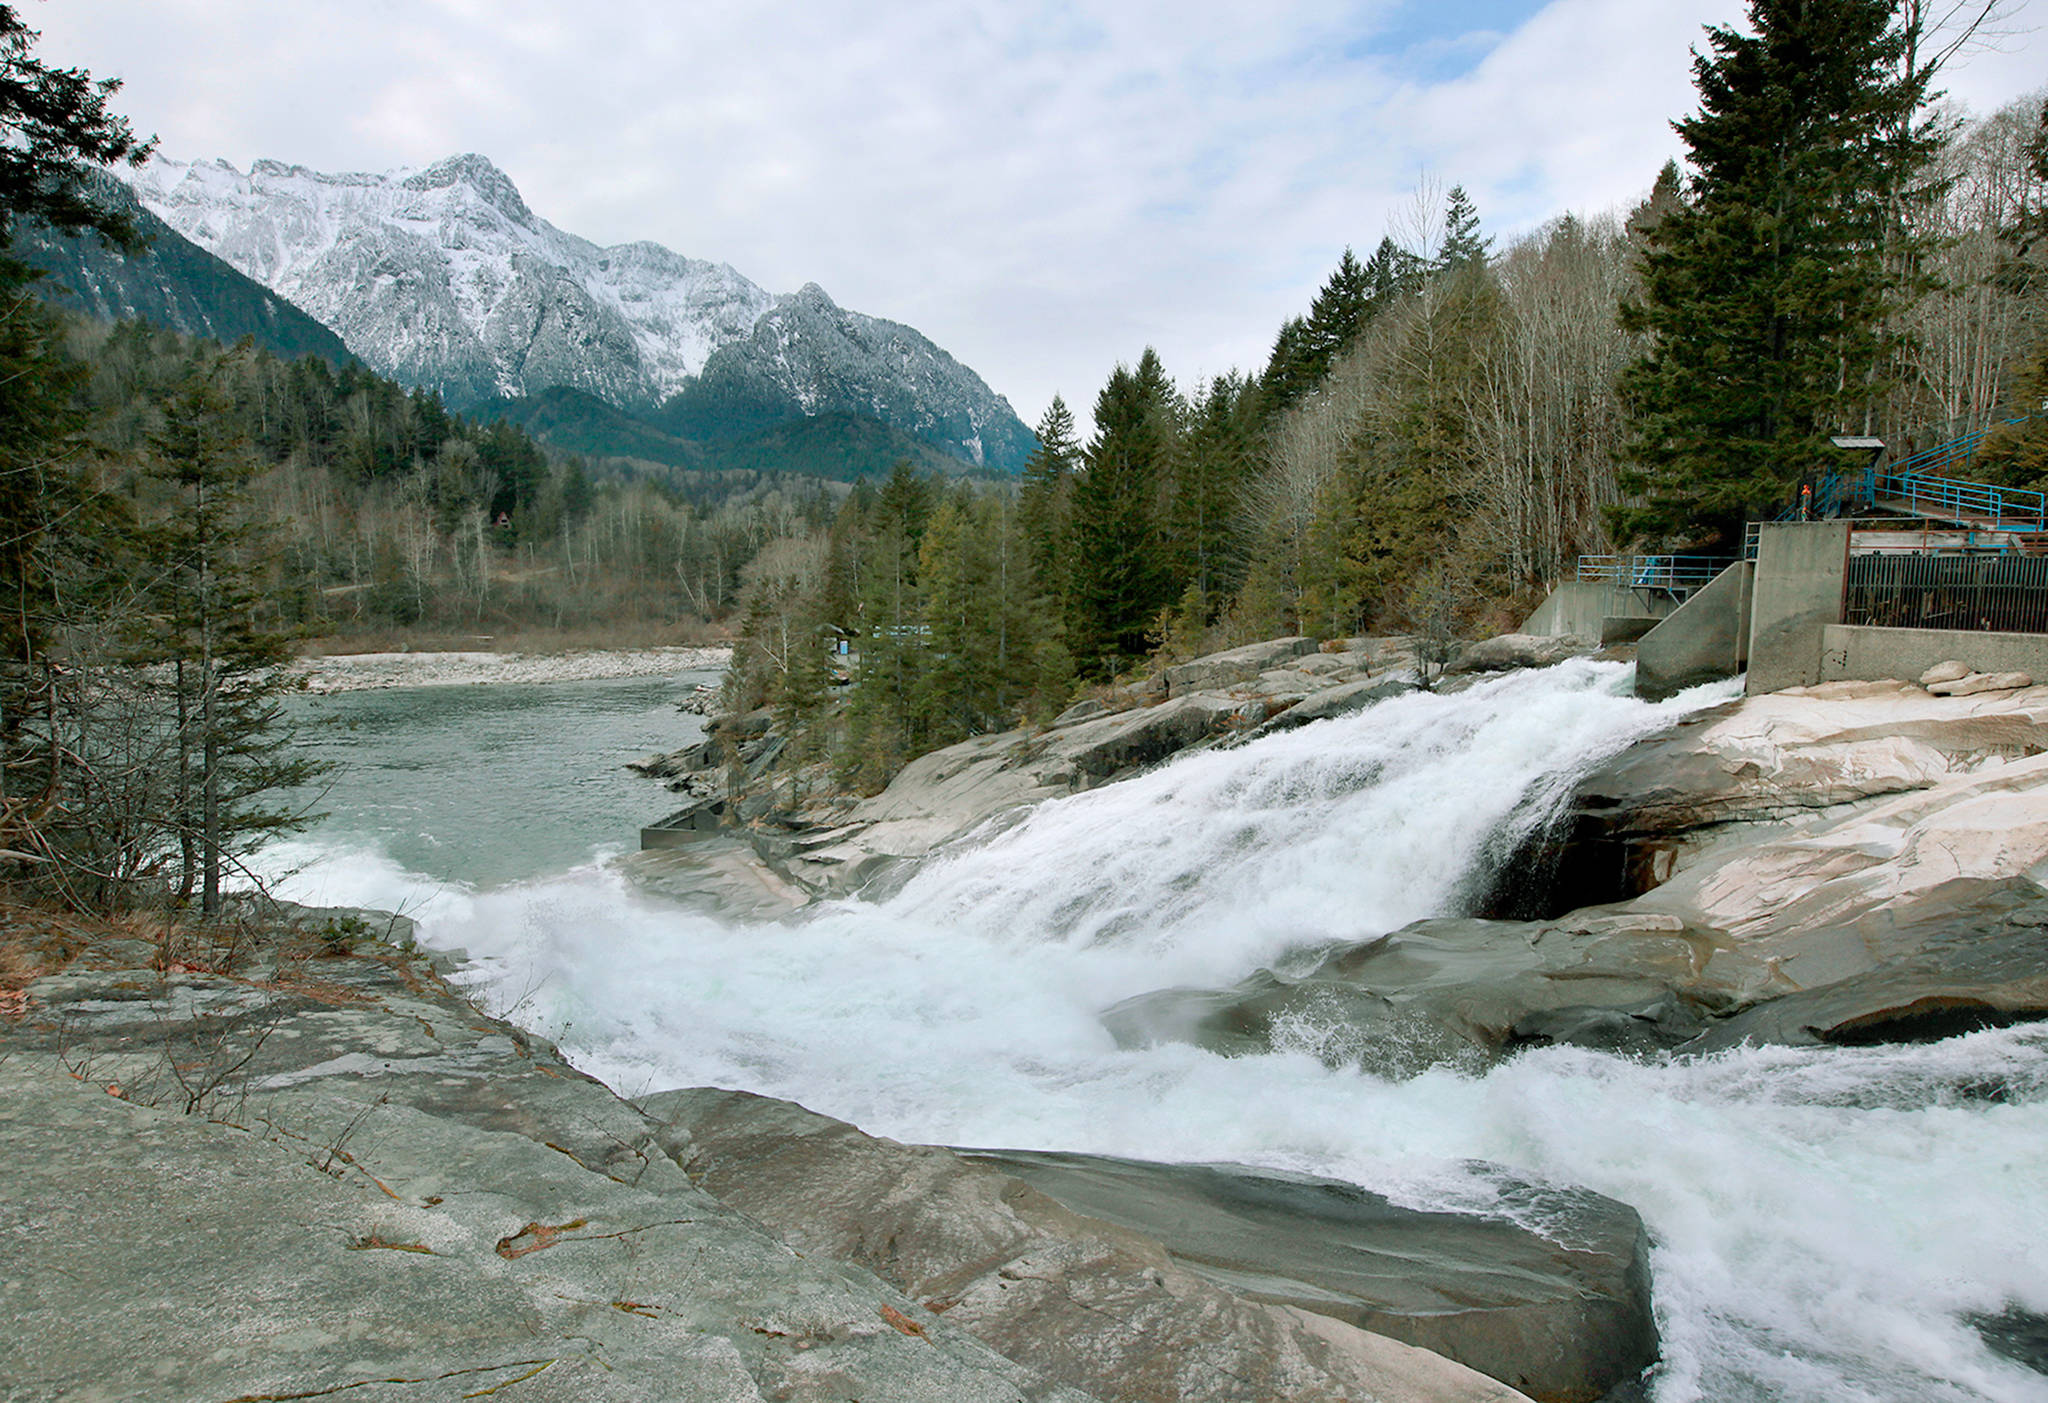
442, 276
808, 354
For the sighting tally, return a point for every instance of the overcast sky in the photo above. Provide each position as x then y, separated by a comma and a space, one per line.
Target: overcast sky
1044, 188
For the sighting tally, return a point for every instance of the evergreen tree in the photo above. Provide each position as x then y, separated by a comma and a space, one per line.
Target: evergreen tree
1290, 368
1340, 310
55, 135
1120, 583
204, 627
1046, 497
1207, 519
887, 721
1462, 246
1391, 271
1767, 292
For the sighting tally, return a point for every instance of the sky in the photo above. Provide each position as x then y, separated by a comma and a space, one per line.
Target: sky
1043, 187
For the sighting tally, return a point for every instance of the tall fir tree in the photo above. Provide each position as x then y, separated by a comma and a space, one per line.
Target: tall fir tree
1769, 292
1120, 579
205, 631
1044, 501
1462, 246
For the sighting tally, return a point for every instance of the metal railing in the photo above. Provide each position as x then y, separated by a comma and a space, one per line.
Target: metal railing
1980, 592
1960, 449
2000, 508
1672, 572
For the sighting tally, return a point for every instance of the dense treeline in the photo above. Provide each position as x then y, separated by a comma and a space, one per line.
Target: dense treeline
394, 514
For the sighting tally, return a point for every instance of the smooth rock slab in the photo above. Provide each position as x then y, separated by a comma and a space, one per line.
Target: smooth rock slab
1561, 1311
395, 1197
1228, 669
1516, 650
1079, 1297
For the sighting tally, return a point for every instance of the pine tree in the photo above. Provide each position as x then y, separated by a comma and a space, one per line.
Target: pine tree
55, 135
1767, 292
1341, 308
1462, 247
205, 629
1207, 519
1045, 500
887, 722
1120, 582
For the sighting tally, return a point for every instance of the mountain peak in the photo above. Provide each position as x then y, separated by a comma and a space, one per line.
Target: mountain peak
480, 174
442, 276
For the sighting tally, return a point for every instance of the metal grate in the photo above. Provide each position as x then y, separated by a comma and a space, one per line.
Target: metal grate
1980, 593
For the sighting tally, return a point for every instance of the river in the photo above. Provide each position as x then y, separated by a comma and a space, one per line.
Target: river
1825, 1221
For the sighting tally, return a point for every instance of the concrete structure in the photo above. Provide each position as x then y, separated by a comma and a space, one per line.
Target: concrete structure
1595, 612
1858, 654
1796, 594
1706, 640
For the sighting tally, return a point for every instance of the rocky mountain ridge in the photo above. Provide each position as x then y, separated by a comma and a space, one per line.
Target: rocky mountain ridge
443, 276
171, 282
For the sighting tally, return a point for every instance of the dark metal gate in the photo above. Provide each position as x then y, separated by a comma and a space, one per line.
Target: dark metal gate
1982, 593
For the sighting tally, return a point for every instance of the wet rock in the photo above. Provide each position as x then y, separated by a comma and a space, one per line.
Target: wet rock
2017, 1334
381, 1191
1082, 1295
1548, 1292
1789, 763
1966, 955
1447, 991
1342, 700
1515, 650
675, 763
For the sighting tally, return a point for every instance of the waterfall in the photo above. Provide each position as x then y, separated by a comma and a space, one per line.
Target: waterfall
1825, 1220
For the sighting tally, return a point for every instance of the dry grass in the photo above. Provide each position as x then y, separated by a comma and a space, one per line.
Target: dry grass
35, 942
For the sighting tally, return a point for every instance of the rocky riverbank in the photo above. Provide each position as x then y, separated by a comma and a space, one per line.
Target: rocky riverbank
298, 1163
765, 836
356, 672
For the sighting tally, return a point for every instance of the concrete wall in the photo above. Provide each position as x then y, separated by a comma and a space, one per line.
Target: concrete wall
1579, 610
1706, 640
1797, 593
1858, 654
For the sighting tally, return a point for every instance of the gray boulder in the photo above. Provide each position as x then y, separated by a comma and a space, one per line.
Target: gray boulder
1331, 702
1550, 1293
1080, 1294
1516, 650
1234, 666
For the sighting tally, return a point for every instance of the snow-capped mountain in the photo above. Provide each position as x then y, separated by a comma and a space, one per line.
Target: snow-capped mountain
443, 277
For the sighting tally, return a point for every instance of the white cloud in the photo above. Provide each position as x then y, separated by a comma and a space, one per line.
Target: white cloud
1042, 187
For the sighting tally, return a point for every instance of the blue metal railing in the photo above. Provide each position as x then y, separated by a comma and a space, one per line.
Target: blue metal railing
1673, 572
1944, 456
2001, 508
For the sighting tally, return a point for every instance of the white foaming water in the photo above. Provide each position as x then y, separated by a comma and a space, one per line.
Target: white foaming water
1823, 1218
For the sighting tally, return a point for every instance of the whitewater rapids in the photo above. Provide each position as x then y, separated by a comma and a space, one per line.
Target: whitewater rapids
1825, 1220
